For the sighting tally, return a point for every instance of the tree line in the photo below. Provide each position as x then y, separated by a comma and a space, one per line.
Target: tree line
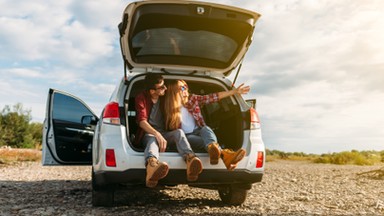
17, 130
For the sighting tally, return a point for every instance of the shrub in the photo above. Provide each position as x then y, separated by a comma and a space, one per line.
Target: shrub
16, 130
350, 157
382, 156
345, 157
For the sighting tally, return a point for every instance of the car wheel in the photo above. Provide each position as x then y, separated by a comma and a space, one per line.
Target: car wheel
102, 195
232, 195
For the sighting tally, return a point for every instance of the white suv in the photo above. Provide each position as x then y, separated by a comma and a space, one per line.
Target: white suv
199, 42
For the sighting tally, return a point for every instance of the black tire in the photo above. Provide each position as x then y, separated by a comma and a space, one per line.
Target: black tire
102, 198
233, 195
102, 195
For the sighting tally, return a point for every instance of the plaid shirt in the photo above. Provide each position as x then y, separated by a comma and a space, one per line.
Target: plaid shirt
194, 102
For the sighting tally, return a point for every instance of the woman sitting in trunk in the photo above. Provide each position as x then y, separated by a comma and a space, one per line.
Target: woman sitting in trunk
183, 111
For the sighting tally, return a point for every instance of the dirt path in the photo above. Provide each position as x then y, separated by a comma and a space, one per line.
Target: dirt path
290, 188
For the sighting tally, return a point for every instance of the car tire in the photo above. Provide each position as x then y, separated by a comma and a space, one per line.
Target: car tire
102, 198
232, 195
102, 195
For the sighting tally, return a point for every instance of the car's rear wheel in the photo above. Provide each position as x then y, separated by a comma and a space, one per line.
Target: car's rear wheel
233, 195
102, 195
102, 198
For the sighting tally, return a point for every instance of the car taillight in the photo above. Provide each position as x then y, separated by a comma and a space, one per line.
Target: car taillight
111, 113
255, 121
260, 159
110, 159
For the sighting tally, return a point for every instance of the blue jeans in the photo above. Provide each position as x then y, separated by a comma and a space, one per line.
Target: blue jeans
200, 138
175, 137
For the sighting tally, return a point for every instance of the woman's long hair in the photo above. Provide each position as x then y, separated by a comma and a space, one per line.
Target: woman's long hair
172, 106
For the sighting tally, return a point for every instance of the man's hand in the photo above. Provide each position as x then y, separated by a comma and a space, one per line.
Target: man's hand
161, 141
159, 138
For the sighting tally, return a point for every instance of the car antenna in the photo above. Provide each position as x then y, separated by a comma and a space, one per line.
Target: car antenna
237, 73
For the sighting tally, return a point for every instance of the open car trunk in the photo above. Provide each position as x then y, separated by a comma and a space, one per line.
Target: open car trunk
192, 35
224, 117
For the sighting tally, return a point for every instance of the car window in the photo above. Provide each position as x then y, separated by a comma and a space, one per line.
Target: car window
68, 109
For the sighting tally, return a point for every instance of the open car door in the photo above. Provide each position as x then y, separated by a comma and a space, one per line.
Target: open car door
69, 127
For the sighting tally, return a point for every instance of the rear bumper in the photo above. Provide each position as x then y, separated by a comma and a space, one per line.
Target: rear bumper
178, 176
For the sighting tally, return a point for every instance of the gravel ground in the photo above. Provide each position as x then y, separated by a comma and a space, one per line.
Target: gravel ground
288, 188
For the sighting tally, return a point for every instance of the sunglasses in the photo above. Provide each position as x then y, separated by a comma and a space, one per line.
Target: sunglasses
183, 88
161, 87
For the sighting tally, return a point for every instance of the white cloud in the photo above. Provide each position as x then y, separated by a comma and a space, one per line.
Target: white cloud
98, 14
48, 31
81, 46
22, 73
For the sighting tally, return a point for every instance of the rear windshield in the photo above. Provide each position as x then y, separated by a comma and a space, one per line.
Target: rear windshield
174, 42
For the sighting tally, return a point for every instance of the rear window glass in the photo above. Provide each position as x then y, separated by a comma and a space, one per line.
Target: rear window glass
176, 42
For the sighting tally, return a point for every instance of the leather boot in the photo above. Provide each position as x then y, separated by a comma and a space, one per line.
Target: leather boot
214, 153
156, 170
231, 158
194, 167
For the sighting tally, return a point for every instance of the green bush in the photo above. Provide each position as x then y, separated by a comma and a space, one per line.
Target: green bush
16, 130
345, 157
350, 157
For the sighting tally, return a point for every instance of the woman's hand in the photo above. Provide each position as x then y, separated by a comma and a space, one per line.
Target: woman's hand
239, 90
242, 89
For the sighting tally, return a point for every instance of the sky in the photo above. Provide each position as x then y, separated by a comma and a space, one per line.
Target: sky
316, 67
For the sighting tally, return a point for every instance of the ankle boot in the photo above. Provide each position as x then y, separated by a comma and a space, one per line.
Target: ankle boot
156, 170
231, 158
194, 167
214, 153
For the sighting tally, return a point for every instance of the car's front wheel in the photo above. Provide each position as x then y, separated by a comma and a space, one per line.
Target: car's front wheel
233, 195
102, 195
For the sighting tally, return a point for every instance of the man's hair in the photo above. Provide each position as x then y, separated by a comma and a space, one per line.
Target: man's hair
152, 79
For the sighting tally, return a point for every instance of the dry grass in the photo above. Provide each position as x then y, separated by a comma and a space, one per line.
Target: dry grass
346, 157
271, 158
13, 155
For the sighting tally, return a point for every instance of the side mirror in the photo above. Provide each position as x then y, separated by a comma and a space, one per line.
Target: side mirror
88, 120
251, 103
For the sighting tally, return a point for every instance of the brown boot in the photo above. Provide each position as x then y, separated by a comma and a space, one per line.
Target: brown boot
214, 153
194, 167
231, 158
156, 170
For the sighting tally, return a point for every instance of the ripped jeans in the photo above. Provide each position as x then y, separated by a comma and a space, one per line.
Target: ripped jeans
175, 137
201, 137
